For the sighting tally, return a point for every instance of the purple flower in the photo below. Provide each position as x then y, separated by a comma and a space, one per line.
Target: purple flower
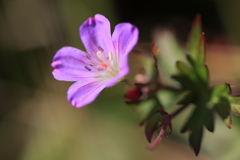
104, 63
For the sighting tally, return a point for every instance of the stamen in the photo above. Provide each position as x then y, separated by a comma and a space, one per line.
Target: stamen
100, 48
92, 64
97, 75
87, 68
110, 56
88, 56
100, 55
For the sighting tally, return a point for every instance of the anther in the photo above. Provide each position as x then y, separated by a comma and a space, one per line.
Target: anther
100, 55
88, 56
91, 64
87, 68
110, 56
97, 75
100, 49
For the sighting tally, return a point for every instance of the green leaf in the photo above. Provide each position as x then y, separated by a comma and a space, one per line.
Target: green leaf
185, 82
218, 92
209, 120
235, 105
198, 119
201, 50
188, 97
183, 68
194, 37
203, 75
195, 139
192, 77
200, 71
223, 110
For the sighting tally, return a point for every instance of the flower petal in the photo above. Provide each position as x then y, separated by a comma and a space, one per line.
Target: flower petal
70, 64
95, 32
125, 37
84, 91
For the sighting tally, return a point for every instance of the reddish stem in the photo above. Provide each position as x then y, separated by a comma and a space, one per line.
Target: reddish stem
159, 138
166, 123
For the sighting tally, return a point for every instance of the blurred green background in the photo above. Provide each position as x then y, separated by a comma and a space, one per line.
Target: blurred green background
38, 123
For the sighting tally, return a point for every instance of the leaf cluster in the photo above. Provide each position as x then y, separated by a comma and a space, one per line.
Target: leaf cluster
179, 77
193, 77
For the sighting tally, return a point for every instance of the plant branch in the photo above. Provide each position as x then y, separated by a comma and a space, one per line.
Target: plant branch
175, 113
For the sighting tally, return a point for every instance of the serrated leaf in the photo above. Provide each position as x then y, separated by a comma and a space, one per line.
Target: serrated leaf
200, 117
194, 37
201, 71
195, 139
192, 77
218, 92
195, 120
185, 82
188, 98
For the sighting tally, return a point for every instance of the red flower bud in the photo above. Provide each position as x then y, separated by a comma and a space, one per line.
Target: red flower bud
133, 94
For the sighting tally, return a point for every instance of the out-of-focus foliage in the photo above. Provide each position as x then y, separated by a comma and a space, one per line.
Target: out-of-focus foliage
193, 89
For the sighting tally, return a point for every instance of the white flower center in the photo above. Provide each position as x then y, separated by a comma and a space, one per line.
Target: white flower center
104, 67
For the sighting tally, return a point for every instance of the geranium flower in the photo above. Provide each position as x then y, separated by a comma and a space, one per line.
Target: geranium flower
103, 65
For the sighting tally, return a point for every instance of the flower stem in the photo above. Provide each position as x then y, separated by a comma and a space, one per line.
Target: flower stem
154, 50
159, 137
175, 113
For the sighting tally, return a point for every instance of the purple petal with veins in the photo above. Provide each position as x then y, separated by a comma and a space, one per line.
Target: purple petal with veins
84, 91
104, 64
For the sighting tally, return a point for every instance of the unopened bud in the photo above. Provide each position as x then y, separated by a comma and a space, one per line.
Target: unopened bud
133, 94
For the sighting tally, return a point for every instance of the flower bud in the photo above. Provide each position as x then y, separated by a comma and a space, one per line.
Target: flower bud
133, 94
